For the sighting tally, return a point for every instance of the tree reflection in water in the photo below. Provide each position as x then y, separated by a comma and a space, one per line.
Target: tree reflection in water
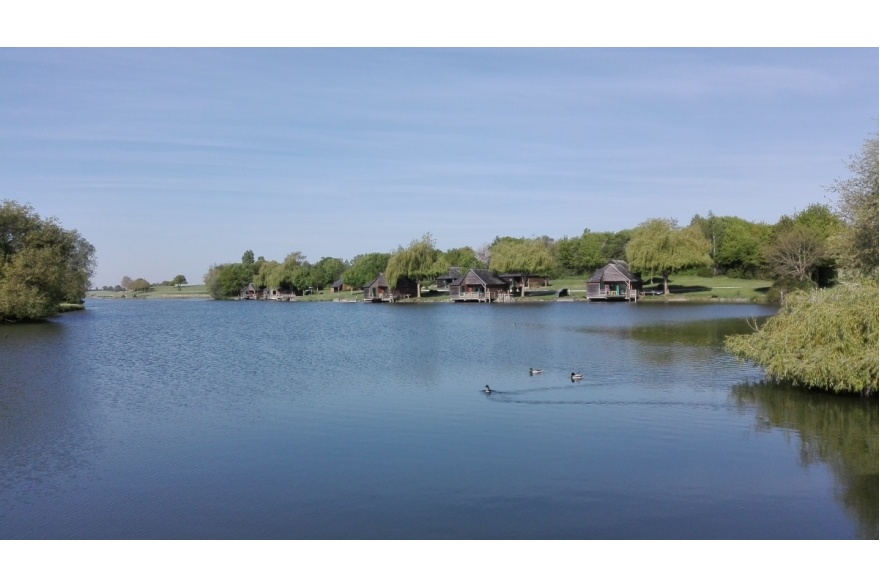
839, 431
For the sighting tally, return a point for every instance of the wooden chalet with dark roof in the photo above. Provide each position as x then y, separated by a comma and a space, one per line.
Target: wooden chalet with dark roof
613, 282
279, 294
444, 281
478, 285
518, 280
379, 291
250, 292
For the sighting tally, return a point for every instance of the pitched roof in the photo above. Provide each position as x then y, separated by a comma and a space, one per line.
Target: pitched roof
337, 283
453, 273
482, 275
378, 282
613, 271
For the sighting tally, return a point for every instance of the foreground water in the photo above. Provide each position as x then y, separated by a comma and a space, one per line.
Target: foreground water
198, 419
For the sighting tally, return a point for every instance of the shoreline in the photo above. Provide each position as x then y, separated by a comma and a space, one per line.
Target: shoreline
527, 300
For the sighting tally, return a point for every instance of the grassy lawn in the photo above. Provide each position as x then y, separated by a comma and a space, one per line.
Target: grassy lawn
159, 291
709, 288
681, 288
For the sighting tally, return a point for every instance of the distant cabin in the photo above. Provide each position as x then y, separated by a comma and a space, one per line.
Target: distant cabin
519, 280
444, 281
378, 290
613, 282
279, 294
337, 286
478, 285
250, 292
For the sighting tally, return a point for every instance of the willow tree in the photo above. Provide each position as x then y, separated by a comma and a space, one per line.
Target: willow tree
825, 339
417, 261
659, 246
521, 255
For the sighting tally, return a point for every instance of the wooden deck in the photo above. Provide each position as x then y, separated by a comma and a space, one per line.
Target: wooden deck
481, 297
380, 298
612, 294
631, 297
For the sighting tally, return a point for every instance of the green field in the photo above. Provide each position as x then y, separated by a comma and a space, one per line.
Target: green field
158, 291
681, 288
689, 287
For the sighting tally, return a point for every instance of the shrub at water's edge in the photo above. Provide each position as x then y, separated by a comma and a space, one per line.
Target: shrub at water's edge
824, 339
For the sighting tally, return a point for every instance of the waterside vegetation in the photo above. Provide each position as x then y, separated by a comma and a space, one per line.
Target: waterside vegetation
42, 265
828, 339
824, 339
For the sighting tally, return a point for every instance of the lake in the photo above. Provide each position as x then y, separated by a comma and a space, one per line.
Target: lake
170, 419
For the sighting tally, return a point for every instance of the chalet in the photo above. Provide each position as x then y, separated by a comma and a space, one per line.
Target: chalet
337, 286
478, 285
518, 280
379, 291
250, 292
444, 281
279, 294
613, 282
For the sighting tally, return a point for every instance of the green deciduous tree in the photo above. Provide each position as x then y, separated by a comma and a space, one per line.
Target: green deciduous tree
567, 258
327, 270
798, 246
794, 253
294, 273
659, 246
41, 264
615, 243
140, 284
463, 257
178, 280
740, 246
521, 255
594, 250
227, 280
819, 219
580, 255
825, 339
365, 268
584, 254
736, 244
418, 261
268, 274
856, 246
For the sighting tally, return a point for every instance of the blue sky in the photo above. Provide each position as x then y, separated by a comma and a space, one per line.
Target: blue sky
170, 160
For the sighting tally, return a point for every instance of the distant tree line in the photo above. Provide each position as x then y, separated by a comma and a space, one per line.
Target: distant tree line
798, 252
141, 284
42, 265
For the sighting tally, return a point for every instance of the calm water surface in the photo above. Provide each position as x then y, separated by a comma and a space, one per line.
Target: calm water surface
198, 419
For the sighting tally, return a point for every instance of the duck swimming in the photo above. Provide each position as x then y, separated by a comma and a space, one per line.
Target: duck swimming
576, 376
535, 371
488, 390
